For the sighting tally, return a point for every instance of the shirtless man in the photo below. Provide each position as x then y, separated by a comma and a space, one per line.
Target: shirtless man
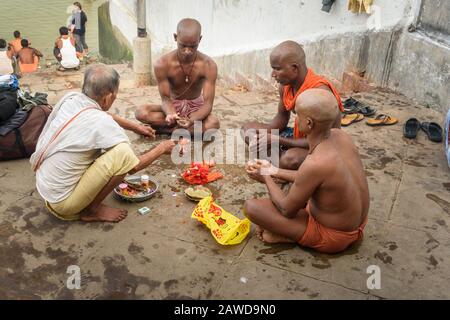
16, 44
186, 82
327, 205
28, 57
290, 71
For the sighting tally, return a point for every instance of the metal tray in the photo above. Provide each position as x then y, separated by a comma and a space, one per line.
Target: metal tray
138, 198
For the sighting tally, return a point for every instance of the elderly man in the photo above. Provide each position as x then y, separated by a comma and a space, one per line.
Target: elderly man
186, 82
327, 205
83, 154
290, 71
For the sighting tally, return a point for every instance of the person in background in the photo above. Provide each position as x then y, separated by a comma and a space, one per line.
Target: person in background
16, 44
6, 63
65, 51
79, 20
28, 58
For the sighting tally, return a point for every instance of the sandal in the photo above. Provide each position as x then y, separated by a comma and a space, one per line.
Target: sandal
354, 106
382, 120
433, 131
349, 102
411, 128
348, 119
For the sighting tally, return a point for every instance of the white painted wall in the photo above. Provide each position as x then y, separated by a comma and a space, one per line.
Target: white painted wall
241, 26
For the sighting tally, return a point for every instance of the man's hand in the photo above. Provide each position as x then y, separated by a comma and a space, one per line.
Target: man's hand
184, 145
166, 146
145, 130
265, 167
172, 118
254, 171
185, 122
261, 141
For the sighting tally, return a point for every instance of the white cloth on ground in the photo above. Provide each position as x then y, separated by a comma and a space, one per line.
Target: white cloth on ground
77, 146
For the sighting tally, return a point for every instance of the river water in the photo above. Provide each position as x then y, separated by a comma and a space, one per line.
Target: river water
39, 22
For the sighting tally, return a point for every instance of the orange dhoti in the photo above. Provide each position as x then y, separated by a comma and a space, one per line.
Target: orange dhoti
324, 239
29, 67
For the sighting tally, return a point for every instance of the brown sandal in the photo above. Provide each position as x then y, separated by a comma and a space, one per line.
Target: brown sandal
350, 118
382, 120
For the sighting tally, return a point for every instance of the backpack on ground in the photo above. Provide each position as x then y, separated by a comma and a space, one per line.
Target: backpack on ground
21, 142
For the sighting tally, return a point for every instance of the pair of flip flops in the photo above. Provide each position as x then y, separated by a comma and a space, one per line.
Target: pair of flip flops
432, 129
380, 120
351, 105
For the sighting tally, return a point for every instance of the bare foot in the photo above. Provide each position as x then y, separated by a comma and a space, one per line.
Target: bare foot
270, 237
259, 232
104, 214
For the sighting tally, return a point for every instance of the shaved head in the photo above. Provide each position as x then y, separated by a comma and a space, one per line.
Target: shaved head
189, 27
289, 52
318, 104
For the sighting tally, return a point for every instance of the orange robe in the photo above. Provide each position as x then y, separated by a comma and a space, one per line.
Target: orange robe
311, 81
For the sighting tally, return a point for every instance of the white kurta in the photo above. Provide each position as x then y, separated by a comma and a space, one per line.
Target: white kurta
65, 160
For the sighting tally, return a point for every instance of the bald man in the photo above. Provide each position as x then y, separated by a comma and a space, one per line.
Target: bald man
186, 82
294, 77
327, 205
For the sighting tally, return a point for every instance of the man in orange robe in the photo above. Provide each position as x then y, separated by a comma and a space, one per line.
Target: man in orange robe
294, 77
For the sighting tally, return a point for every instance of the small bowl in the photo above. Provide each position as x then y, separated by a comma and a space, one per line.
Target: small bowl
138, 198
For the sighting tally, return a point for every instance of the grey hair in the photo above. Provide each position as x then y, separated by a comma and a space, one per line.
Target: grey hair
100, 80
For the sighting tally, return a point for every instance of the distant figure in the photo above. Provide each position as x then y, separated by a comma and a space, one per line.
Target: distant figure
28, 58
65, 51
16, 44
186, 82
5, 59
79, 20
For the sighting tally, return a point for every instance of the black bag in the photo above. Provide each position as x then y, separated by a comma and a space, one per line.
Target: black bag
21, 142
8, 103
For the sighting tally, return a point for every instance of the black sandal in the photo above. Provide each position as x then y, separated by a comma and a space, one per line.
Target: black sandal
352, 105
433, 131
411, 128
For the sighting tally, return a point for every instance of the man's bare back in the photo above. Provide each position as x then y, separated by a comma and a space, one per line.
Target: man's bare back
26, 55
341, 202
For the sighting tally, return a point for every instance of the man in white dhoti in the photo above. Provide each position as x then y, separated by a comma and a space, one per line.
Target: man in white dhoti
82, 153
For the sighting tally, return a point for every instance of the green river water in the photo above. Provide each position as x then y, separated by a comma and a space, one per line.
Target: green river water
39, 21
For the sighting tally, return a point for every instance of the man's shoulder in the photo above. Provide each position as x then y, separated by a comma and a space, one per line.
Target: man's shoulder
323, 158
206, 59
165, 60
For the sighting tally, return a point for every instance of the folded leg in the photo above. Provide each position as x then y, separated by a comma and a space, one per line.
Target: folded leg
273, 227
